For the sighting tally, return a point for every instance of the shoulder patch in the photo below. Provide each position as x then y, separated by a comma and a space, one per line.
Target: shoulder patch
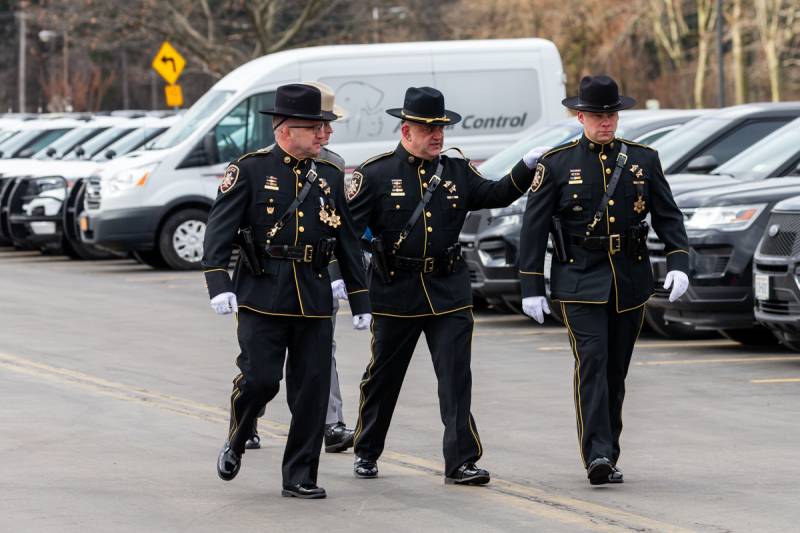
375, 158
560, 148
354, 186
229, 179
538, 177
331, 163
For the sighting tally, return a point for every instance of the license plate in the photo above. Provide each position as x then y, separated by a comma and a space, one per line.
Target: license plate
761, 283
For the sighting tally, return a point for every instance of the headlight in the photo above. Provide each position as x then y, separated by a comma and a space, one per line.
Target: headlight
725, 218
128, 179
516, 208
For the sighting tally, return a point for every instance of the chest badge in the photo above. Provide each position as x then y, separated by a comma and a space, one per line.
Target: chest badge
327, 214
326, 189
450, 186
577, 209
639, 205
271, 184
397, 188
575, 177
270, 210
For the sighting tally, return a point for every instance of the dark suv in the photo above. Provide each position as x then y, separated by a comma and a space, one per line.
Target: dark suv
776, 274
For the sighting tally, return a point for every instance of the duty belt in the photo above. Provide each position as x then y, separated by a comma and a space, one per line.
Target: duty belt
302, 254
426, 265
612, 243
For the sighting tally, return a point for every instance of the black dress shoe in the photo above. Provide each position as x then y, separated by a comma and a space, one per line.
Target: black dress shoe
468, 474
615, 476
228, 463
338, 438
307, 491
253, 443
365, 469
599, 471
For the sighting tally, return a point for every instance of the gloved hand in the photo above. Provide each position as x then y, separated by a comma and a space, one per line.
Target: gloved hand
224, 304
362, 321
338, 289
679, 282
535, 307
534, 154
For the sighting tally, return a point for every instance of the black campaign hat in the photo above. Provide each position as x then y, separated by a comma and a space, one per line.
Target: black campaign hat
425, 105
297, 100
598, 94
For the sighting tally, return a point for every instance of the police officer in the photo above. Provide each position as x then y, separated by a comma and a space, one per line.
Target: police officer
593, 195
415, 200
338, 437
295, 208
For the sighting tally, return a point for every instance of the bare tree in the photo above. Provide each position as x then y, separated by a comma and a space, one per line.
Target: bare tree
776, 20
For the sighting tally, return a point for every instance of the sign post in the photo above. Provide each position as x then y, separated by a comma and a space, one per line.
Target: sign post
169, 64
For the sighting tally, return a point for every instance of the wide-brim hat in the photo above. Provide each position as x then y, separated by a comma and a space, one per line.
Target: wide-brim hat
328, 104
425, 105
598, 94
297, 100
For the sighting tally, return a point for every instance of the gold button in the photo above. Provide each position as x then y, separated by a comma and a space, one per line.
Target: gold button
612, 219
571, 260
300, 214
397, 206
430, 229
604, 157
424, 185
411, 159
640, 258
272, 200
428, 214
297, 171
455, 205
301, 229
611, 146
422, 171
391, 273
591, 146
287, 159
574, 195
611, 202
608, 171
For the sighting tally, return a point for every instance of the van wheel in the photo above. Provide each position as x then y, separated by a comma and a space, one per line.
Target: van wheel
151, 258
672, 330
756, 336
181, 239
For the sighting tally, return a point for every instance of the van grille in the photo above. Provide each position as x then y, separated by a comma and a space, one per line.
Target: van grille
786, 242
92, 199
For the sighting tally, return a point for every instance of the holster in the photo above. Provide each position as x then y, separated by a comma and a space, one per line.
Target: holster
637, 240
559, 240
380, 259
323, 253
248, 251
450, 259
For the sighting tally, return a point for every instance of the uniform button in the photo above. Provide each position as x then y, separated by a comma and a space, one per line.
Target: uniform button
571, 260
455, 205
604, 157
397, 206
297, 171
300, 214
391, 272
430, 229
612, 219
640, 258
424, 185
301, 229
611, 202
591, 146
287, 159
272, 200
411, 159
574, 195
422, 171
611, 146
428, 214
608, 171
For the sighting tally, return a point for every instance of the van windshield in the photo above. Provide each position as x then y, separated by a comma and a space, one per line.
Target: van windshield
199, 112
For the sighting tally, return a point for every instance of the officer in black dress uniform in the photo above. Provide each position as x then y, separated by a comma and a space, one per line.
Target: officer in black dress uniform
418, 282
601, 277
283, 293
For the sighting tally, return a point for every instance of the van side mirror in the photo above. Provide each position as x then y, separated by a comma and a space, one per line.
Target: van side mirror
704, 163
79, 151
211, 148
110, 154
50, 152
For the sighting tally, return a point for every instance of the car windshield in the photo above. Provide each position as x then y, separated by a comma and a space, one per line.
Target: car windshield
129, 143
765, 157
29, 142
91, 147
66, 142
681, 141
187, 125
6, 135
501, 163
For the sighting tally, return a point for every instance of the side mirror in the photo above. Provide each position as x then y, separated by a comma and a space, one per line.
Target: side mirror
79, 151
110, 154
51, 152
211, 148
702, 164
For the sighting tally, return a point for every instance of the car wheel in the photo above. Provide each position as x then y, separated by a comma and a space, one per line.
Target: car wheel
151, 258
672, 330
181, 239
792, 342
755, 336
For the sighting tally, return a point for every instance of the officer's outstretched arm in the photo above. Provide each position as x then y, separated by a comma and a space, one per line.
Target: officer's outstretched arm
667, 220
348, 254
224, 220
486, 193
535, 229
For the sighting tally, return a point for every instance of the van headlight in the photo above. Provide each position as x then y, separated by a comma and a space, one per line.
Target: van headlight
128, 179
725, 218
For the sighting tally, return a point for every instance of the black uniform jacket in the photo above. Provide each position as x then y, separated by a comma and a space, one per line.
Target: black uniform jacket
256, 191
383, 193
570, 181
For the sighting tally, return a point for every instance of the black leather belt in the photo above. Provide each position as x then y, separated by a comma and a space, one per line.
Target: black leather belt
611, 243
426, 265
302, 254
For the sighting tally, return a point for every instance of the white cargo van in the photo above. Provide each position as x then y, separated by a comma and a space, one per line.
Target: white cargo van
154, 202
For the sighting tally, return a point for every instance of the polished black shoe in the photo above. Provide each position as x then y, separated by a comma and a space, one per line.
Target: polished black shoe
338, 438
468, 474
599, 471
365, 469
616, 475
228, 463
307, 491
253, 443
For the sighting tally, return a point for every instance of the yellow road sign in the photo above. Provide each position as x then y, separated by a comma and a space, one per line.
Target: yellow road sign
168, 63
174, 95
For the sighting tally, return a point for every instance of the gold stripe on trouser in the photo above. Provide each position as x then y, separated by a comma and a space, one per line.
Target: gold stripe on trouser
360, 422
470, 420
576, 381
234, 396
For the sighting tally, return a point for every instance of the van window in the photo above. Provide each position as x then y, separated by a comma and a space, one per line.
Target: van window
200, 111
244, 129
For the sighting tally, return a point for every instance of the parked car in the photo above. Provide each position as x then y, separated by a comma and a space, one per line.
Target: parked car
776, 274
724, 225
33, 136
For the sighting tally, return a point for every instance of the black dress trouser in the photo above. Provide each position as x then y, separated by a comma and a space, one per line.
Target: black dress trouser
602, 342
265, 341
449, 339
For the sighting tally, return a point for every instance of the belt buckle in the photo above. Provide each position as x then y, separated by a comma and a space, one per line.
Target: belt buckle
614, 243
427, 265
308, 253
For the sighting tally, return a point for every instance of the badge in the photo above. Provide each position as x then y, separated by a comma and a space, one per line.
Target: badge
397, 188
634, 168
354, 186
229, 179
271, 183
270, 210
538, 177
330, 217
640, 173
639, 205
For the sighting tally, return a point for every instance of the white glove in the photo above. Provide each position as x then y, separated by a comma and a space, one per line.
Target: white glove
224, 304
338, 289
679, 282
362, 321
534, 154
535, 307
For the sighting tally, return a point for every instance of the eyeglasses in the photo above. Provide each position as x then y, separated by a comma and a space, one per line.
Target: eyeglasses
319, 127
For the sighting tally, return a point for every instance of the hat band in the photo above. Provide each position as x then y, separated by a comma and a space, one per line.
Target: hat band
424, 119
594, 104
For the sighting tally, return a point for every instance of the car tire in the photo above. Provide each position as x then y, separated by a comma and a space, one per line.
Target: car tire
755, 336
181, 239
672, 330
151, 258
791, 342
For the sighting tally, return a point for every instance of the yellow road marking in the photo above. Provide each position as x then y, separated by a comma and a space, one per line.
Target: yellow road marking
667, 344
167, 277
538, 502
776, 380
699, 361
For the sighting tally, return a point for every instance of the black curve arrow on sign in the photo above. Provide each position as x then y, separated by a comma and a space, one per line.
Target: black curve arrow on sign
165, 59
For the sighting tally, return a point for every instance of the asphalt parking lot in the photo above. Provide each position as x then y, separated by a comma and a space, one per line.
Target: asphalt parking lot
114, 381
